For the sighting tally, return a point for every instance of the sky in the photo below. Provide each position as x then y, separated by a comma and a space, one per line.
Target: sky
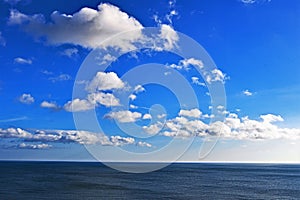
120, 80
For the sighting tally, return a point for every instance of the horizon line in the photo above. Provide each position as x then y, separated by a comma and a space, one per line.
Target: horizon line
153, 162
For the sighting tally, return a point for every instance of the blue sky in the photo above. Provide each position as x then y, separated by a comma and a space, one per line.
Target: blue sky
254, 44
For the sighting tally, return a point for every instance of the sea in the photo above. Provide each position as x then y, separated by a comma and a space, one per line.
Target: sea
91, 180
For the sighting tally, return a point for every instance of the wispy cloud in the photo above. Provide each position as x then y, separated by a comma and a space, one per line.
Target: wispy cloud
13, 119
34, 146
61, 77
210, 76
254, 1
70, 52
2, 40
20, 60
12, 2
247, 93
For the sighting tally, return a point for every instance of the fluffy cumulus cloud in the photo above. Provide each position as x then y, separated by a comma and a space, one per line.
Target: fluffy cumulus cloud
51, 105
87, 27
105, 81
101, 98
96, 28
124, 116
44, 139
78, 105
186, 63
20, 60
194, 113
147, 116
26, 99
169, 38
120, 141
153, 128
215, 75
233, 127
99, 93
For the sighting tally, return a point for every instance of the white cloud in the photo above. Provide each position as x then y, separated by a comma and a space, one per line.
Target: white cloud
78, 105
102, 98
215, 75
23, 61
43, 139
26, 99
248, 1
247, 93
144, 144
138, 89
191, 61
210, 76
92, 29
124, 116
153, 128
70, 52
175, 66
233, 127
170, 37
147, 116
120, 141
34, 146
2, 40
13, 119
195, 80
51, 105
55, 136
172, 13
105, 81
132, 97
195, 113
161, 116
133, 106
61, 77
101, 82
186, 63
169, 16
106, 59
269, 118
87, 27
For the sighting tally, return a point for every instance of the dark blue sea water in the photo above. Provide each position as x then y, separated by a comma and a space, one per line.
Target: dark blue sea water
73, 180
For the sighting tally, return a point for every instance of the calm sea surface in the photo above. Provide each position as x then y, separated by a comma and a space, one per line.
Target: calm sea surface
73, 180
